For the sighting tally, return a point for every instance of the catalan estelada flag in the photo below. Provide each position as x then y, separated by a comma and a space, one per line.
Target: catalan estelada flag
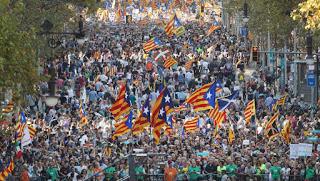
20, 126
143, 120
249, 111
151, 44
174, 26
122, 104
191, 125
10, 168
160, 113
204, 98
170, 26
212, 29
6, 171
169, 62
123, 127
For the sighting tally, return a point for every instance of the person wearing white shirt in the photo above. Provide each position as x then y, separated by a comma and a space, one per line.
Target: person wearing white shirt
83, 139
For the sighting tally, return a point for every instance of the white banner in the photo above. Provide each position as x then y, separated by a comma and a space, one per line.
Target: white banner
300, 150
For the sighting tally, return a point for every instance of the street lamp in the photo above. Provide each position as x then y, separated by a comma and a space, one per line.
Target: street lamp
51, 99
53, 43
245, 12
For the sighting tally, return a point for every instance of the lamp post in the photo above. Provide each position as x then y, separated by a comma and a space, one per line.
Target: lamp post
51, 99
245, 12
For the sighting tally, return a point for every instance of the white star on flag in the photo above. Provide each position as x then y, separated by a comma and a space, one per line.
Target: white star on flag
209, 95
157, 94
161, 111
146, 110
167, 98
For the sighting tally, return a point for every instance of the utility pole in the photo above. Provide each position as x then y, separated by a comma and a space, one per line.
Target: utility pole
317, 79
312, 69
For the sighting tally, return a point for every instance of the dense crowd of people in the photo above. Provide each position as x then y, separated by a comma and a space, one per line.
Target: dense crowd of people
89, 75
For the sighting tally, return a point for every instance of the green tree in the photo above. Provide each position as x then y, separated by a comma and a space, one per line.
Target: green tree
20, 21
308, 11
267, 16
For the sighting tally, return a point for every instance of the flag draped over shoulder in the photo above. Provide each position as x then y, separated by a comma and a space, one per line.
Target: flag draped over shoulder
249, 111
163, 106
286, 131
124, 126
204, 98
143, 120
122, 104
191, 125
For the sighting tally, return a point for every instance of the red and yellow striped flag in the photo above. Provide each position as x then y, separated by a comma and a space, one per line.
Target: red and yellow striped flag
188, 65
197, 99
231, 136
281, 101
214, 114
191, 125
123, 127
271, 121
122, 104
249, 111
286, 131
169, 62
170, 26
32, 131
168, 131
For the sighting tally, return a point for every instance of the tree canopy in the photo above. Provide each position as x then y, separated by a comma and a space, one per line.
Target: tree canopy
308, 11
20, 20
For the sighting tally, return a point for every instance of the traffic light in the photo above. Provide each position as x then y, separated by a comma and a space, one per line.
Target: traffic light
255, 56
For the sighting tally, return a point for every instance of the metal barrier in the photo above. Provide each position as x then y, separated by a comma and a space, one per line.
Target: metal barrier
182, 177
217, 177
